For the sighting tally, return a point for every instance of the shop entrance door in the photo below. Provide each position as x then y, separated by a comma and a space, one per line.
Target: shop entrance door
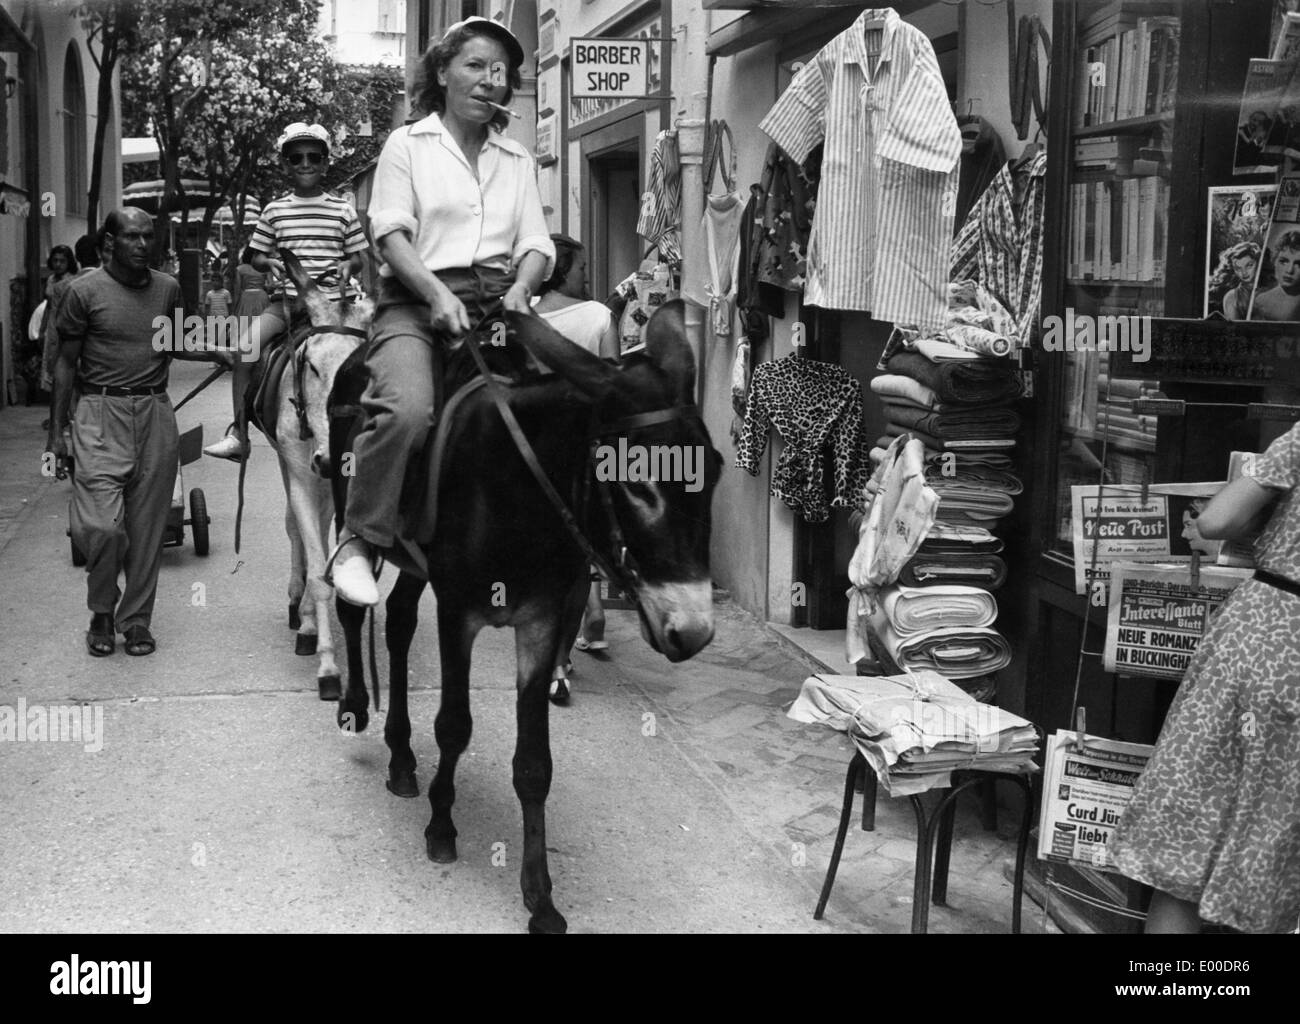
615, 196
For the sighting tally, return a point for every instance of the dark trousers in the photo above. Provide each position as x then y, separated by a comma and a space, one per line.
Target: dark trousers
405, 361
125, 451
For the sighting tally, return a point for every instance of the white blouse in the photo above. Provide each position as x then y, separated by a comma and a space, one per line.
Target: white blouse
424, 188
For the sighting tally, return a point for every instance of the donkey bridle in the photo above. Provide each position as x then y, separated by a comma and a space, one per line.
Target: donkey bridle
622, 570
297, 399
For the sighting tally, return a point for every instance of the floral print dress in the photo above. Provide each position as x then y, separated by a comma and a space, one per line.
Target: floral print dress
1215, 818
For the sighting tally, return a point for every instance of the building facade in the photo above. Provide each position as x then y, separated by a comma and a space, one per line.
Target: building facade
48, 129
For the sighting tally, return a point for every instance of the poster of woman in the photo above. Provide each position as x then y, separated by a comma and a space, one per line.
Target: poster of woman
1237, 224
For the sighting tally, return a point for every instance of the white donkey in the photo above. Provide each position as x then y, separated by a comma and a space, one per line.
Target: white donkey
292, 414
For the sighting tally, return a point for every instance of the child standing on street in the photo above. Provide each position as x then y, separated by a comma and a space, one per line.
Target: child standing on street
322, 230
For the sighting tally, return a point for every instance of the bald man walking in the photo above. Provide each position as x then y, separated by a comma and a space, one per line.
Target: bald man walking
124, 437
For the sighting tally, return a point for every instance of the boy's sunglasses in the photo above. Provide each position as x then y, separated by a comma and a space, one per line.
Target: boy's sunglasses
312, 157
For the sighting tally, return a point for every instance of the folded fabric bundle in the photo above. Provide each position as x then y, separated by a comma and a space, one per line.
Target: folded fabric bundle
965, 474
897, 386
919, 609
975, 517
978, 569
938, 444
978, 503
965, 460
956, 651
967, 422
978, 382
962, 540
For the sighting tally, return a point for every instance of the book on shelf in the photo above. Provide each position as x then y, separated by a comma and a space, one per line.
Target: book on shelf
1139, 61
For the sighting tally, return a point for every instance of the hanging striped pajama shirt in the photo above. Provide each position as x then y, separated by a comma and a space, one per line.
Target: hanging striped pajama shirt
1001, 243
884, 220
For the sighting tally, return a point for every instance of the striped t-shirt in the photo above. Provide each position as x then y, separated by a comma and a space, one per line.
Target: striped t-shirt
319, 230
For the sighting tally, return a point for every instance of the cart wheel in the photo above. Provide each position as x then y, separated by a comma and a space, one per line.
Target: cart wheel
199, 521
78, 556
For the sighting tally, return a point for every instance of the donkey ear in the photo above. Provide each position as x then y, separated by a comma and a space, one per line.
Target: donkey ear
668, 349
590, 374
318, 306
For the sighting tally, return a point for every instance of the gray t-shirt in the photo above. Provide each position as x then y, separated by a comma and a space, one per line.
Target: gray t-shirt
115, 323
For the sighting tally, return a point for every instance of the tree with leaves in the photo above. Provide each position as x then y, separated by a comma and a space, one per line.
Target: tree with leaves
110, 27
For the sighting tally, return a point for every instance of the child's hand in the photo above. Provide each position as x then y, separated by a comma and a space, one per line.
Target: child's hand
276, 268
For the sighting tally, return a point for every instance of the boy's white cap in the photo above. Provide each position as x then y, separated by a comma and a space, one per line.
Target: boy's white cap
301, 130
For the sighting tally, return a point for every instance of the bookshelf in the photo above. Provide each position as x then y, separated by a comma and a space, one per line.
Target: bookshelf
1124, 93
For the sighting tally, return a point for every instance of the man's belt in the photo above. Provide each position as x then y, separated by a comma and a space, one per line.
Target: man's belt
1281, 582
112, 391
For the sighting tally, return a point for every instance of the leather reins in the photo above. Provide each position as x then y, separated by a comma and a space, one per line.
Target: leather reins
622, 570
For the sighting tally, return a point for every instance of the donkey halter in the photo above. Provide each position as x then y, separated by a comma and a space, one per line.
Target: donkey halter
298, 400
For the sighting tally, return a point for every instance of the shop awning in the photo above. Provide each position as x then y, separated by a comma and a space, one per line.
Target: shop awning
147, 194
776, 19
139, 150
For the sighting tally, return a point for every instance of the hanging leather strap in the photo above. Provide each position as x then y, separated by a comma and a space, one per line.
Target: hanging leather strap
719, 138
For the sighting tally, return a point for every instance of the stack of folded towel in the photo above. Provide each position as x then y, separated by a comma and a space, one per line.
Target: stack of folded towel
954, 393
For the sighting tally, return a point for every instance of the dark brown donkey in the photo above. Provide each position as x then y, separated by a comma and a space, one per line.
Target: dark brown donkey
502, 555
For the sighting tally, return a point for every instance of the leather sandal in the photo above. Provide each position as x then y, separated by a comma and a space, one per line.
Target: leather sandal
137, 641
100, 641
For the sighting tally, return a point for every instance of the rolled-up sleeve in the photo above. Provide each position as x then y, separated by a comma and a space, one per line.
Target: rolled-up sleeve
392, 200
533, 234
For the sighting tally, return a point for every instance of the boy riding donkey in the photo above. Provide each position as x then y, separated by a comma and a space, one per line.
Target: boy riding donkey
322, 230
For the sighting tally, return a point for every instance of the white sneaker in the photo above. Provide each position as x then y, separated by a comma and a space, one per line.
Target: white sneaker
354, 579
229, 447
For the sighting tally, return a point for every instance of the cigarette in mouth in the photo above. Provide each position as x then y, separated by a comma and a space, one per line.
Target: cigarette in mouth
504, 110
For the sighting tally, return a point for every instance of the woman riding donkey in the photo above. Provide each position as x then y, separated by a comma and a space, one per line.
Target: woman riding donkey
458, 222
322, 230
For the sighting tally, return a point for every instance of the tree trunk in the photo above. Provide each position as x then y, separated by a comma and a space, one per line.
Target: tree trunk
103, 110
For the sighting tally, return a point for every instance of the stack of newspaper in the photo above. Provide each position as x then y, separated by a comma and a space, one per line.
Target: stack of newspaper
917, 728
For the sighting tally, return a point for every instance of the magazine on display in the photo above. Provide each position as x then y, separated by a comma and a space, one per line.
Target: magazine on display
1116, 523
1277, 287
1259, 138
1085, 791
1157, 616
1236, 225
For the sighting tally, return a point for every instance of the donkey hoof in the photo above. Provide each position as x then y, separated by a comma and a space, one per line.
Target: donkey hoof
441, 851
330, 687
352, 719
304, 643
403, 784
547, 921
295, 620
